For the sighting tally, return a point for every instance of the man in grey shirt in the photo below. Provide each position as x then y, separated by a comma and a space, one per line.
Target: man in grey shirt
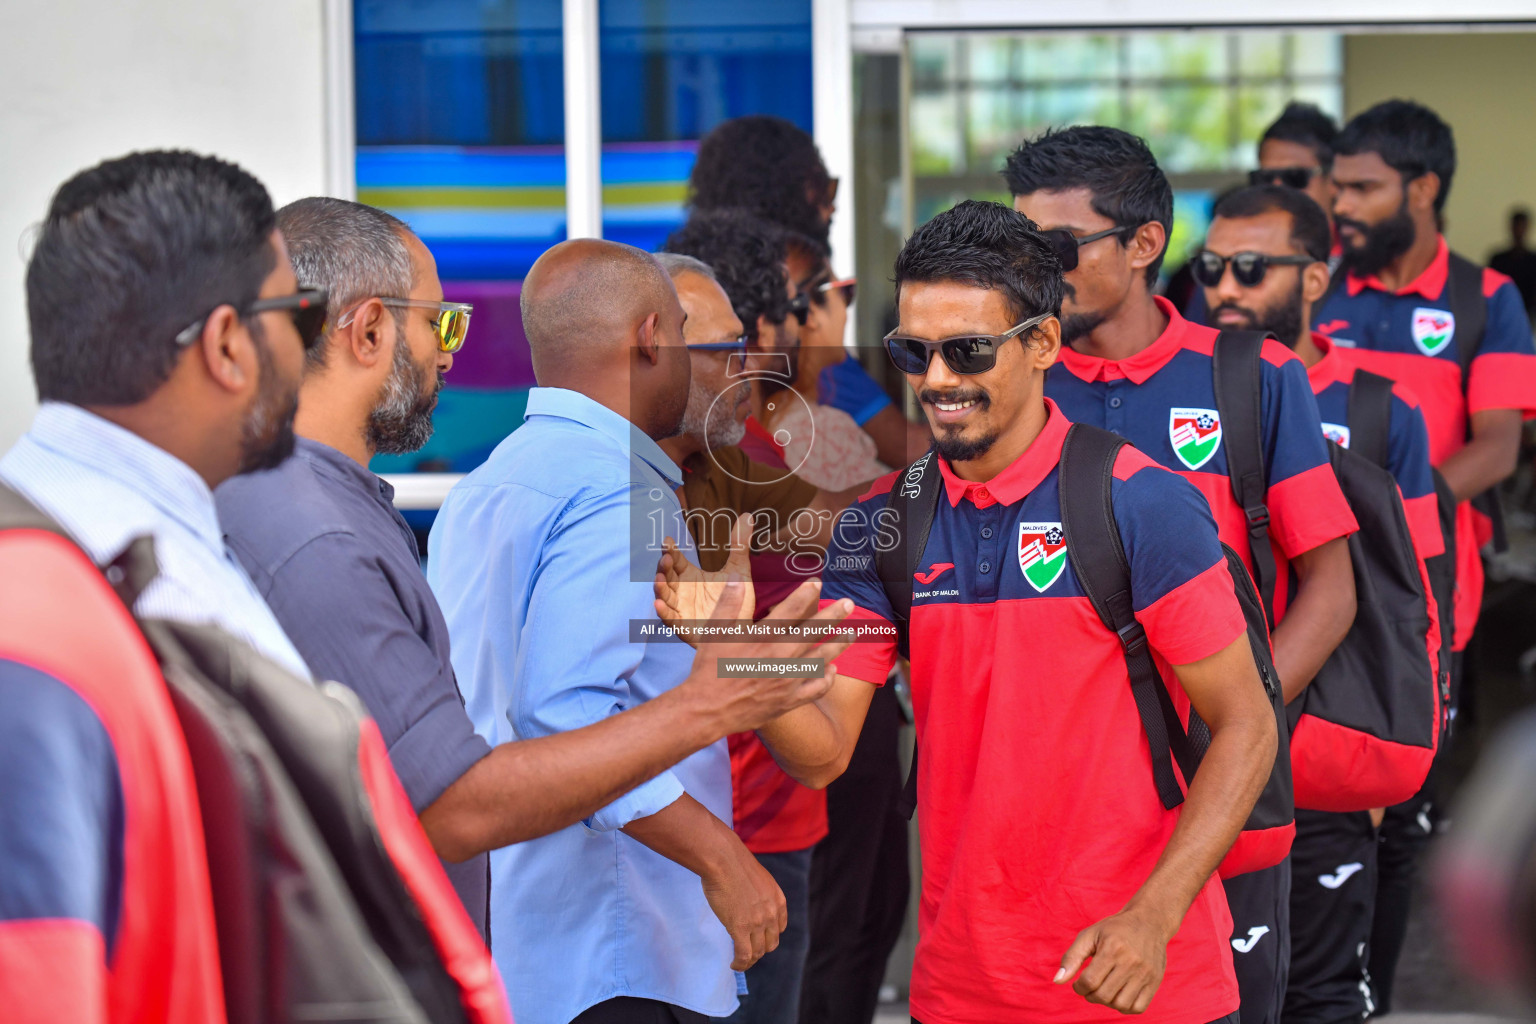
324, 544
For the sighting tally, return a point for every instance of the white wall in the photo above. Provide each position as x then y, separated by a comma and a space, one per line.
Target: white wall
1484, 85
84, 80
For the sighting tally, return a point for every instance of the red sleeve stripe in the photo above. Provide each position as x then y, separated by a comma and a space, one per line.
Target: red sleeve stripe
1276, 354
52, 970
1130, 461
1493, 281
1503, 380
1308, 510
881, 485
870, 661
1196, 619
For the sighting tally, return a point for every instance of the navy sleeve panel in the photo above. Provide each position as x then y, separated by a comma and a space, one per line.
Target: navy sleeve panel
1169, 534
1408, 450
858, 536
849, 387
348, 618
1293, 428
61, 805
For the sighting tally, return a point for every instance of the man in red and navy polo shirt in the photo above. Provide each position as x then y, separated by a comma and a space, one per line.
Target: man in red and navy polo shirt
1333, 893
1392, 174
1133, 365
1056, 887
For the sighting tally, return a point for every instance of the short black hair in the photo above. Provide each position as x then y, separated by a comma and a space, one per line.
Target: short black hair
1520, 213
131, 252
1409, 137
1306, 125
1116, 167
765, 165
991, 246
1309, 224
747, 255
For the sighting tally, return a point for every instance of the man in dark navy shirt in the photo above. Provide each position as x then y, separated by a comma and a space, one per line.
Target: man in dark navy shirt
341, 570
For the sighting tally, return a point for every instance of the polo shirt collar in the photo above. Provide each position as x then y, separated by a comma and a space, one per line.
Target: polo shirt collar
172, 486
578, 408
1022, 476
1140, 367
1328, 369
1430, 284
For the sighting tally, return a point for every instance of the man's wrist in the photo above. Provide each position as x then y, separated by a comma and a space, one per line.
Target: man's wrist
1157, 911
700, 703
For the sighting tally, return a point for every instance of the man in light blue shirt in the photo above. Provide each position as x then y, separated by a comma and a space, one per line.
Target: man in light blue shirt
168, 339
543, 561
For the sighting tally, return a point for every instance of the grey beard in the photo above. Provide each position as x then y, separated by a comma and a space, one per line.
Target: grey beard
401, 421
717, 431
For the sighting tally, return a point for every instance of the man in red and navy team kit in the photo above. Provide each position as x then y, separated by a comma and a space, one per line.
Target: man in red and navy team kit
1251, 283
1392, 171
1136, 367
1056, 887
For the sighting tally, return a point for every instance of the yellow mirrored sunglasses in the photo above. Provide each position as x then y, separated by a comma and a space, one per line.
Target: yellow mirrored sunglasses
452, 322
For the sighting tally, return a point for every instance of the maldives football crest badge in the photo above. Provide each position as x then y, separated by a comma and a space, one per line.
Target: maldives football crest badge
1338, 433
1042, 553
1194, 434
1433, 329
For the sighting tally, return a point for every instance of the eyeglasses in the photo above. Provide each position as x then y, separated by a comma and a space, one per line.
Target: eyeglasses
451, 325
308, 308
1290, 177
967, 354
736, 344
848, 287
1066, 244
1248, 267
800, 307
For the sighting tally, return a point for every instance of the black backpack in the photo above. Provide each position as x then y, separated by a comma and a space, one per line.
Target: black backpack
329, 904
1098, 560
1370, 419
1364, 731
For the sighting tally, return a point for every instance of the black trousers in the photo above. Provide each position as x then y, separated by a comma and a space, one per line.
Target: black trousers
1405, 833
1333, 897
859, 879
629, 1010
1261, 940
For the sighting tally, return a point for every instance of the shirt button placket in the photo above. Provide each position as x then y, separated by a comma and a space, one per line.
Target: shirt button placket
1114, 416
988, 554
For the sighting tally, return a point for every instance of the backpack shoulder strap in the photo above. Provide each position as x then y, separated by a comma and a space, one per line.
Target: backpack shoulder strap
1464, 294
1098, 560
912, 504
910, 510
1370, 416
1239, 401
17, 513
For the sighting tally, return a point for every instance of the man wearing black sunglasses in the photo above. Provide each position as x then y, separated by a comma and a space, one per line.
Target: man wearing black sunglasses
1003, 657
1335, 854
1133, 365
167, 349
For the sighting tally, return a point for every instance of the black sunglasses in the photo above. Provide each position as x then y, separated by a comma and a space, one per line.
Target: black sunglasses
967, 354
1248, 267
308, 308
1066, 244
1290, 177
800, 308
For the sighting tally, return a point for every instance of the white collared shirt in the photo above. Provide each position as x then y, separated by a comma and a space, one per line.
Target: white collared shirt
107, 486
